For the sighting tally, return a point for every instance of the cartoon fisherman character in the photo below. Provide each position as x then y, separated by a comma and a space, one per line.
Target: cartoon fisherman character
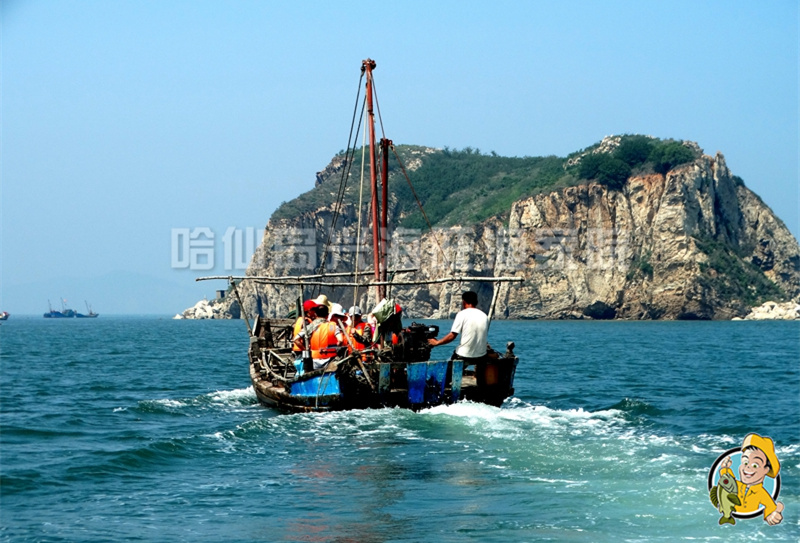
748, 494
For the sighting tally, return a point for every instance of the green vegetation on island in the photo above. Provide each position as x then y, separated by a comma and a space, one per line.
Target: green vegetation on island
467, 186
635, 155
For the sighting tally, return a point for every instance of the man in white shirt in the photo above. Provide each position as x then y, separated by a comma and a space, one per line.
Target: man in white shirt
472, 325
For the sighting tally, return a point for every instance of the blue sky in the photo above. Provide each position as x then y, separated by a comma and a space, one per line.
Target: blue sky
124, 120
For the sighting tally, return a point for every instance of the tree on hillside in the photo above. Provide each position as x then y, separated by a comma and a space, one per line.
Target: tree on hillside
669, 155
613, 173
634, 150
604, 168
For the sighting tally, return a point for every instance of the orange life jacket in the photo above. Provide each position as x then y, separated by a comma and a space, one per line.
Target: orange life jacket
298, 327
324, 342
361, 329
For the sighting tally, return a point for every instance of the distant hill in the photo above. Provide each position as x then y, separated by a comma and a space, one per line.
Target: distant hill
631, 227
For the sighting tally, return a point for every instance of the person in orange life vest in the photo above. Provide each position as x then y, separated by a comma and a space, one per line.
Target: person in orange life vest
337, 314
325, 340
310, 313
339, 318
758, 462
320, 314
359, 332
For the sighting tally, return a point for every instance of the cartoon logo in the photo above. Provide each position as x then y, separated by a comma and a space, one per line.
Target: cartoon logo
756, 490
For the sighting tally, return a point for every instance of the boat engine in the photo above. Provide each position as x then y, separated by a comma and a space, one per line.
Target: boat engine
411, 344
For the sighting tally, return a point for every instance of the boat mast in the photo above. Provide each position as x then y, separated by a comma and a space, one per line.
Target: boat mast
368, 65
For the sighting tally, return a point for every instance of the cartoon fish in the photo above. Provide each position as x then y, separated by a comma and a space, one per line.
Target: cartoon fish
724, 498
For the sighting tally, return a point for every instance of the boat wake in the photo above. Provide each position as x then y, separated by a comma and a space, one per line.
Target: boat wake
224, 399
613, 434
635, 408
517, 422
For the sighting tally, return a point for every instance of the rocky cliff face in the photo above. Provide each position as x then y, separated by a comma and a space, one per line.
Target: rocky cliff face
692, 244
689, 244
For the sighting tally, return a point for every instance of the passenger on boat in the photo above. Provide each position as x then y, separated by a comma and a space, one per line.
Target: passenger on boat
359, 332
323, 300
309, 314
326, 338
336, 313
392, 326
339, 318
473, 326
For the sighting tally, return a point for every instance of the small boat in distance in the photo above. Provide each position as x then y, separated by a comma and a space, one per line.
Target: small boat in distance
67, 313
4, 316
90, 315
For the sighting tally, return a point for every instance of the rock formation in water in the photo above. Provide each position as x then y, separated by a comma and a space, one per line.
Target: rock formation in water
691, 243
771, 311
218, 308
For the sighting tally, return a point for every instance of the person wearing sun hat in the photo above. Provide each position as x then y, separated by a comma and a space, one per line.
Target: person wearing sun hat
322, 300
758, 462
336, 311
309, 310
359, 333
324, 337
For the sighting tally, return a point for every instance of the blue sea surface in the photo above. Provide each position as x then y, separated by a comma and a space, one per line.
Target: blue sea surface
146, 429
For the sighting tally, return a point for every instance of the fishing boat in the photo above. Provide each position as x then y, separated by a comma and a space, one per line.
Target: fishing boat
67, 313
90, 315
396, 369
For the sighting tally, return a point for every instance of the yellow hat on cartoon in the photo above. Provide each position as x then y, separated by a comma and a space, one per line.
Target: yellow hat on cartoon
766, 445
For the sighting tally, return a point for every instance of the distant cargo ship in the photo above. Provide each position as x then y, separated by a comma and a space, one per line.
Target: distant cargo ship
67, 313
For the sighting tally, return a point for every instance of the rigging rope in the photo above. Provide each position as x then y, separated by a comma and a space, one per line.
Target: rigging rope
360, 204
349, 154
408, 180
378, 107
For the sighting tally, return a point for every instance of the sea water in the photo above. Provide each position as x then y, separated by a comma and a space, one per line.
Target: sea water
146, 429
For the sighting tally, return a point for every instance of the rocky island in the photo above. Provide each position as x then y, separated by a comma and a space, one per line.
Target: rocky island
630, 228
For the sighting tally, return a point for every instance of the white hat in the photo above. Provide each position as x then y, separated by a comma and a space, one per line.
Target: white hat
337, 309
355, 310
